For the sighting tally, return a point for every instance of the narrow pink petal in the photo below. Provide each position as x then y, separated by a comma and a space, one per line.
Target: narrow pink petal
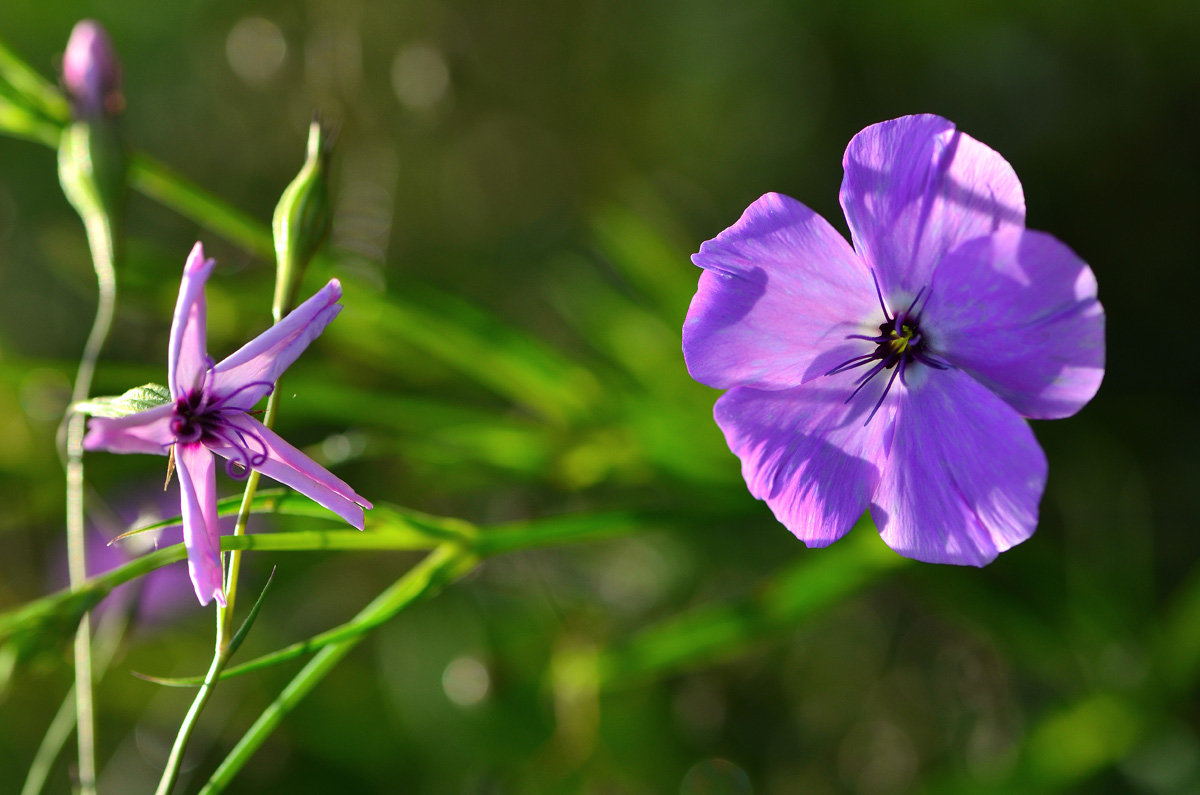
201, 533
964, 475
1018, 311
293, 468
247, 374
808, 453
145, 432
914, 188
187, 359
781, 290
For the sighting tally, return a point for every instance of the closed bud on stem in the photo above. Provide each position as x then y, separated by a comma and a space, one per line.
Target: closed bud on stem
302, 219
91, 72
91, 154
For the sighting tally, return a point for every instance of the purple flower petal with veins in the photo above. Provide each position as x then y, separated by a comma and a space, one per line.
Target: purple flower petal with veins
895, 375
209, 415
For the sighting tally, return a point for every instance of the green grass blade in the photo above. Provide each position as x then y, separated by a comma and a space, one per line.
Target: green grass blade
720, 631
157, 181
471, 341
425, 530
36, 90
441, 567
565, 529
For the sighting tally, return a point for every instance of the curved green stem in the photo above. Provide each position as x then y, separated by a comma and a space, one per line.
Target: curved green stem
108, 636
175, 760
440, 567
100, 239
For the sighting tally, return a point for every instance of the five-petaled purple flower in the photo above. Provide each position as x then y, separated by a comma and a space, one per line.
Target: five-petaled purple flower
895, 374
209, 413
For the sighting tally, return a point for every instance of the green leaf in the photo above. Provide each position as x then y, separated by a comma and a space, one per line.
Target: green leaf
726, 629
422, 530
244, 629
439, 568
140, 398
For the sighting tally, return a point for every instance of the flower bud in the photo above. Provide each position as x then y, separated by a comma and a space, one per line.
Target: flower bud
92, 73
302, 219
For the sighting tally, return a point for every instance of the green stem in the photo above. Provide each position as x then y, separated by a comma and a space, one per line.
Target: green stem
43, 615
441, 566
108, 638
157, 181
52, 742
100, 239
280, 306
239, 530
39, 92
175, 760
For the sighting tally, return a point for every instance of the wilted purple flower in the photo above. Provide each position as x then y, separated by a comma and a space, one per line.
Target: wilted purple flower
895, 375
209, 414
91, 72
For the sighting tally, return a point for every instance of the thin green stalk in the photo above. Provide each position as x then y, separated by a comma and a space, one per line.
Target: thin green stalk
34, 620
35, 89
175, 760
157, 181
288, 271
108, 639
443, 565
52, 742
100, 239
239, 530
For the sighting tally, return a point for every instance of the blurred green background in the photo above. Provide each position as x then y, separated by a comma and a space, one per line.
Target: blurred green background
517, 189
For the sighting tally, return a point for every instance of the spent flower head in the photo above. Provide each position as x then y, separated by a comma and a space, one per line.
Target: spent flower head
896, 375
209, 413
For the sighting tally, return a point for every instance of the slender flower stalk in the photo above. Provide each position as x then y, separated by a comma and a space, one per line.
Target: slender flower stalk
299, 226
91, 165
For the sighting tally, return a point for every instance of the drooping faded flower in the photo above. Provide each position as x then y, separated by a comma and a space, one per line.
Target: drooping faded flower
209, 413
896, 374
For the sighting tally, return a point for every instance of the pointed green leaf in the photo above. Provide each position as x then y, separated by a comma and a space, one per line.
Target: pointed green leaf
140, 398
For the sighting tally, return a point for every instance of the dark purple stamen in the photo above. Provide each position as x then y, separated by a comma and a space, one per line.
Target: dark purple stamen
202, 417
898, 344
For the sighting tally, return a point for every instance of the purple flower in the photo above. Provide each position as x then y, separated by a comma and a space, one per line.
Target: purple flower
209, 413
91, 72
895, 374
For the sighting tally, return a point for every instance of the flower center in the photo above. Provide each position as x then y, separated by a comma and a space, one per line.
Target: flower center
898, 345
194, 420
199, 417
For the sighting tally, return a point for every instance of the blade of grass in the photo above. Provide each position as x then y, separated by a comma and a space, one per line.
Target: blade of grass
502, 539
723, 630
442, 566
382, 518
37, 91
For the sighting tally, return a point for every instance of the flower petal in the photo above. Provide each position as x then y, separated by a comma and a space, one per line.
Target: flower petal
1018, 311
914, 188
187, 359
293, 468
243, 377
144, 432
201, 534
807, 453
780, 291
964, 474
